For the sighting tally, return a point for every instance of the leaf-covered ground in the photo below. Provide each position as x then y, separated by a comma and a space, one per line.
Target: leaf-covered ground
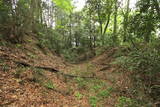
28, 86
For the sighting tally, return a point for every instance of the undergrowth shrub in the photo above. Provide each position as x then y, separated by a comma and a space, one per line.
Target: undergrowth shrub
69, 55
93, 100
126, 102
105, 93
49, 84
82, 84
144, 67
78, 95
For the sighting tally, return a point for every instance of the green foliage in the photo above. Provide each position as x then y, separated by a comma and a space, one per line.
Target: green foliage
82, 84
18, 45
125, 102
3, 43
139, 59
122, 60
31, 55
49, 84
97, 87
78, 95
72, 34
98, 92
69, 55
105, 93
64, 4
4, 9
144, 67
93, 100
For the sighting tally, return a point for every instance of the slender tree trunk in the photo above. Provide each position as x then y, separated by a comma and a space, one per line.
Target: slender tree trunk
107, 23
70, 30
99, 18
90, 31
94, 36
115, 23
101, 23
40, 12
125, 21
32, 8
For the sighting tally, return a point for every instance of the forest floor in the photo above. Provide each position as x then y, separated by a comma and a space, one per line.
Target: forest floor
94, 83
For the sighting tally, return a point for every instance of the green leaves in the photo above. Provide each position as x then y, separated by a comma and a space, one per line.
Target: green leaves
125, 102
78, 95
64, 4
49, 85
93, 101
1, 2
105, 93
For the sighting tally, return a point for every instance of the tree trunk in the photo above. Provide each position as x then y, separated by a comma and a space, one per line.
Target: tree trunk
90, 31
70, 30
115, 23
125, 21
107, 23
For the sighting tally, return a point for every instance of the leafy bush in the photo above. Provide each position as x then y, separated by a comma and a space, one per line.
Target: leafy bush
69, 55
144, 65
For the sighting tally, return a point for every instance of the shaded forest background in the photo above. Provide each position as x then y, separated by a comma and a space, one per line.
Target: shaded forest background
101, 23
81, 35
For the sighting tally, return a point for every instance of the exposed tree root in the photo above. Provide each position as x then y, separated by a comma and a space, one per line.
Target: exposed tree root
39, 67
104, 68
53, 70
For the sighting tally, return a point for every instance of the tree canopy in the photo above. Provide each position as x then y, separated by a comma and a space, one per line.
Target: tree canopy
64, 4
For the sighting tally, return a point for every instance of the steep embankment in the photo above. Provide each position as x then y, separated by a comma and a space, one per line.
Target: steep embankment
23, 85
25, 81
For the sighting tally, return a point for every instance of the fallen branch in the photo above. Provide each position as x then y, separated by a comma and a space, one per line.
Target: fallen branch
53, 70
104, 68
